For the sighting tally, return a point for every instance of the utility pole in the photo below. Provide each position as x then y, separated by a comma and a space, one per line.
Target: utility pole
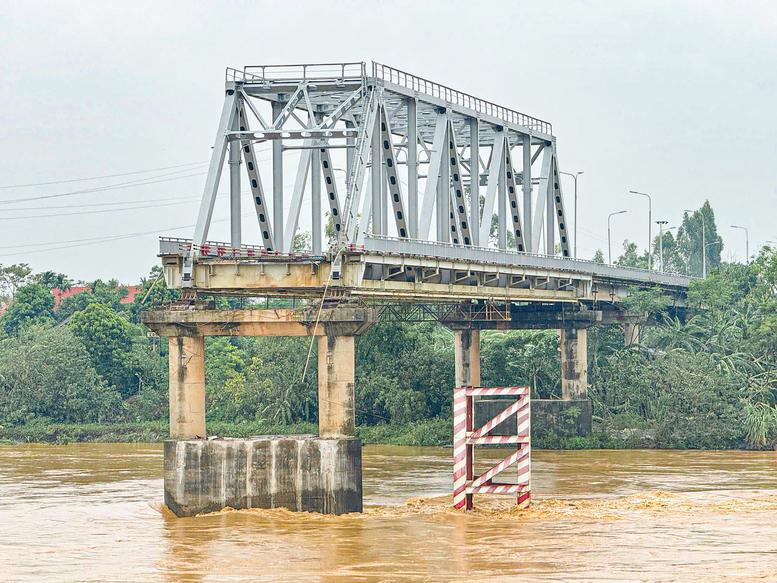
609, 234
650, 225
747, 242
575, 175
661, 241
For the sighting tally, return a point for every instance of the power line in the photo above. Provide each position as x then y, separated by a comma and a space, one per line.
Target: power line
66, 181
94, 212
117, 186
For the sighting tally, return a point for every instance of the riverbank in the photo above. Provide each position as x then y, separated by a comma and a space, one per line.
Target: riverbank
429, 432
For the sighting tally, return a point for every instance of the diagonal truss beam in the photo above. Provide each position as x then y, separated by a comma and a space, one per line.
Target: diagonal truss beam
288, 108
494, 168
558, 202
394, 186
462, 234
361, 157
217, 156
512, 199
255, 181
439, 148
539, 209
247, 101
331, 191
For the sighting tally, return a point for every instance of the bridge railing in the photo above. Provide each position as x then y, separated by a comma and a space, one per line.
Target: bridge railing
297, 73
416, 83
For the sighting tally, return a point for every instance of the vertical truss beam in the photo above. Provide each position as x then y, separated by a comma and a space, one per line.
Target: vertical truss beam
235, 216
512, 196
433, 176
257, 192
462, 233
315, 200
474, 179
277, 182
412, 167
394, 186
494, 169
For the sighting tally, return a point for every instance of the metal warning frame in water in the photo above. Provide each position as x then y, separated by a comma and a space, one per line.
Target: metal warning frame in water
466, 437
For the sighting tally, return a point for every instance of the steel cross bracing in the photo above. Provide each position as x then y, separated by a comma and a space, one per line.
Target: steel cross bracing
463, 198
360, 120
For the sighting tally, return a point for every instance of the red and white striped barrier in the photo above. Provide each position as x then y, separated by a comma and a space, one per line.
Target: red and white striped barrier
465, 437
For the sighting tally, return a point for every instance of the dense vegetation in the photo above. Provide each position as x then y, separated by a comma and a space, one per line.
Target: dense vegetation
89, 370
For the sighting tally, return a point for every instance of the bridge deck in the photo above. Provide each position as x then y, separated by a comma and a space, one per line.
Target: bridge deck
409, 270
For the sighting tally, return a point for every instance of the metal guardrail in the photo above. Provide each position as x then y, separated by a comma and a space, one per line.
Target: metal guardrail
397, 246
416, 83
297, 73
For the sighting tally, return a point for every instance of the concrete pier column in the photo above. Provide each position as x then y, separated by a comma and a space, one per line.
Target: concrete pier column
631, 334
336, 379
467, 357
187, 386
574, 363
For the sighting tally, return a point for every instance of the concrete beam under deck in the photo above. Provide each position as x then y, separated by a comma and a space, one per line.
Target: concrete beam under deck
343, 320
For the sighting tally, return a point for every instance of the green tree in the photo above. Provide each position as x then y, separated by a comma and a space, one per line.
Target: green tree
691, 235
32, 304
107, 338
12, 277
45, 373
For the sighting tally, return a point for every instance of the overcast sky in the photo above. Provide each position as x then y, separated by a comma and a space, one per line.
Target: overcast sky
678, 99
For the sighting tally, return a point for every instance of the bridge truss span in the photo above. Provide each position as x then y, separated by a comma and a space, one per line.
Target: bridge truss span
463, 199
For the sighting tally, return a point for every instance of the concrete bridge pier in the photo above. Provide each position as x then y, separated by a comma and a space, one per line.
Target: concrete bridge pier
186, 359
574, 363
336, 381
467, 357
320, 473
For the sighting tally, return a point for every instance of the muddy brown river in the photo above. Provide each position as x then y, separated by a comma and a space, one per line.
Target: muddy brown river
93, 512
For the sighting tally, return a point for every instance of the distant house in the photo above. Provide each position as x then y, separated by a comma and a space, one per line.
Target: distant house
3, 308
59, 295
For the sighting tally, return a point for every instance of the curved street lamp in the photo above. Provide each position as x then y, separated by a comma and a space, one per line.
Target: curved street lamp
650, 225
609, 234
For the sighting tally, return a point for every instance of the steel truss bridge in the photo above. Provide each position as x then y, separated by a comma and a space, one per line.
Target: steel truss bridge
463, 203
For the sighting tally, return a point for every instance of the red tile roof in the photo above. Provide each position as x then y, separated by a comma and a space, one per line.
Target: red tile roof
59, 295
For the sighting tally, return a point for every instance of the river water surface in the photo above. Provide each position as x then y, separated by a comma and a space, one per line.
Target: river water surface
93, 512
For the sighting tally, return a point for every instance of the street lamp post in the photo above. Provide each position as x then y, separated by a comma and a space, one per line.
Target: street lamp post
650, 225
747, 242
661, 241
575, 175
609, 234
